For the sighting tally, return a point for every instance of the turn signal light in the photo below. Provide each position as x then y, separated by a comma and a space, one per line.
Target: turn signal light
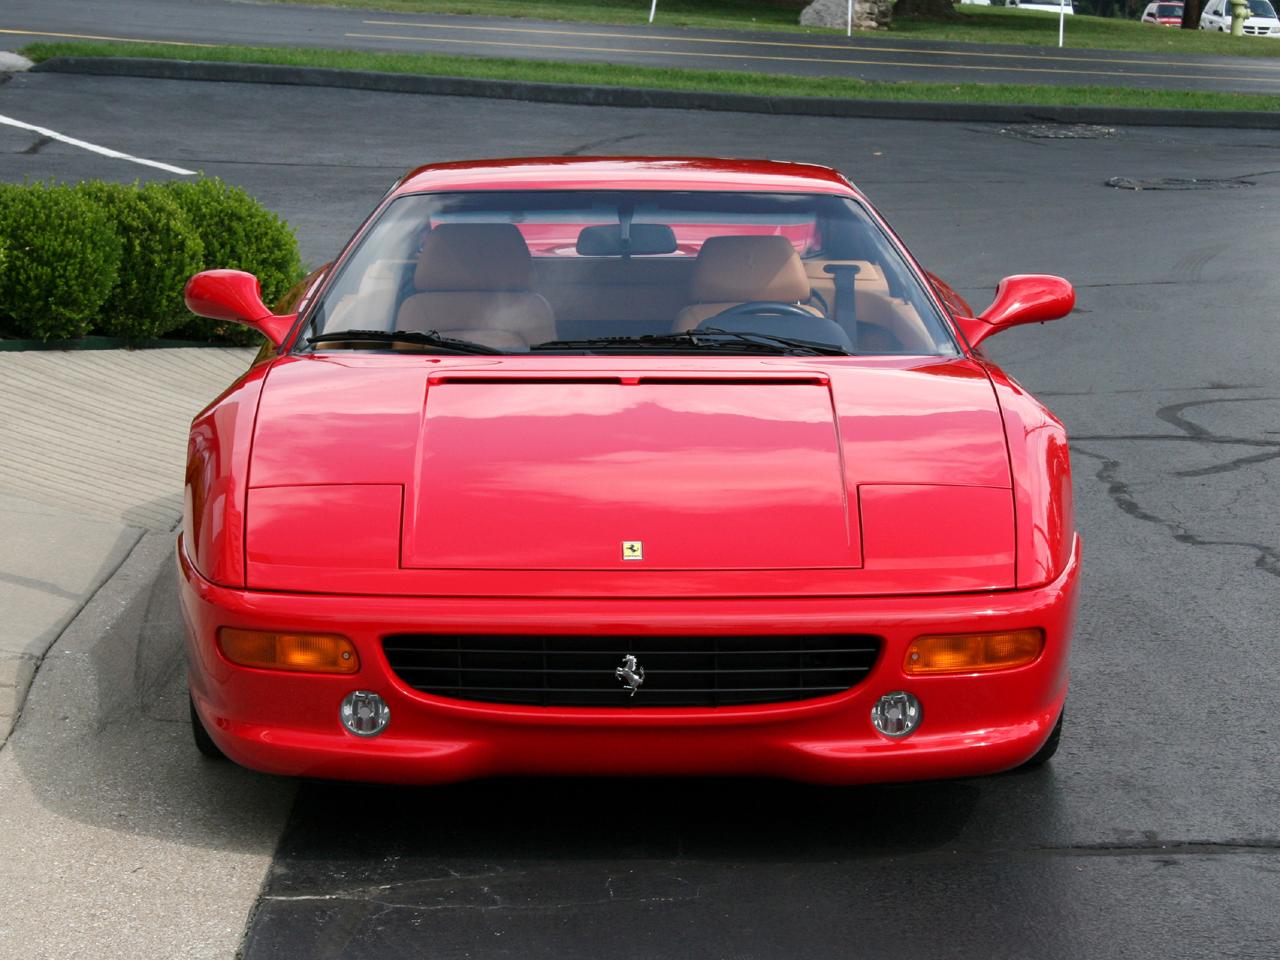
270, 650
973, 652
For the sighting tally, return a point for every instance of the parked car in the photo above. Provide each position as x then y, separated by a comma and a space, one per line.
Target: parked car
1262, 20
1165, 14
725, 485
1046, 5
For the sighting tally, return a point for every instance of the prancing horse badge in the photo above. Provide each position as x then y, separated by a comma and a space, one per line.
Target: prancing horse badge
632, 550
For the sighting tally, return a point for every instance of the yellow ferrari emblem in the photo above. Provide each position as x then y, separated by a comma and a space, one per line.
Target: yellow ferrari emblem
632, 550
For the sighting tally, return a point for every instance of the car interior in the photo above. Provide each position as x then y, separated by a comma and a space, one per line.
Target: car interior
480, 281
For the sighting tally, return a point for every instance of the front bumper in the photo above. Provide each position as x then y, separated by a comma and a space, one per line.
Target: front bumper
287, 723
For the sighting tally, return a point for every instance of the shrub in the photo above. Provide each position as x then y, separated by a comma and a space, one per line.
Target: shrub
61, 262
238, 233
160, 250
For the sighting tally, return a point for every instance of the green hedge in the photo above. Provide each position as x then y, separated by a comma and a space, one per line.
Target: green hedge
160, 250
238, 233
113, 259
62, 260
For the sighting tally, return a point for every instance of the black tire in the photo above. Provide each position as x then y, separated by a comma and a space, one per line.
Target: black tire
1050, 746
204, 742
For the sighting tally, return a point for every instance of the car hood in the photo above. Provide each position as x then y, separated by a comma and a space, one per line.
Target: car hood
413, 474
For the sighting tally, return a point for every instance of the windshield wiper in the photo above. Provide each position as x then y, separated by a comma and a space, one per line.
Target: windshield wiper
428, 339
707, 338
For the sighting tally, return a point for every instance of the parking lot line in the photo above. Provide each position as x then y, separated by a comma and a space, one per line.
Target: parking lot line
93, 147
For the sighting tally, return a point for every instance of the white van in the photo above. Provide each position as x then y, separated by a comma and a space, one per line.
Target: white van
1046, 5
1262, 20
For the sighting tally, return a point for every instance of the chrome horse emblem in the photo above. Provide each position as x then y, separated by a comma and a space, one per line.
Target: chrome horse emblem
630, 673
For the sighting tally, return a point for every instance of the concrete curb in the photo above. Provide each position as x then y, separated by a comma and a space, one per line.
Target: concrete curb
95, 619
640, 97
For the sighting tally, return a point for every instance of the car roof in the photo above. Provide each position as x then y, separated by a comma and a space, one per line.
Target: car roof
629, 173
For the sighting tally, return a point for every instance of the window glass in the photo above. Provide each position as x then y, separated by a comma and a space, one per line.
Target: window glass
547, 271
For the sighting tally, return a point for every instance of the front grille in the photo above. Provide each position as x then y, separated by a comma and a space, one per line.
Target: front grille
679, 671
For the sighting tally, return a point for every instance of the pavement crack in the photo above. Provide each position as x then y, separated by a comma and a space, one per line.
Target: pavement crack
1230, 465
1267, 559
1179, 438
39, 144
583, 148
1173, 415
40, 586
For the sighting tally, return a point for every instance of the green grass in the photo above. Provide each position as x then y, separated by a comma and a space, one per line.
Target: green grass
974, 25
714, 81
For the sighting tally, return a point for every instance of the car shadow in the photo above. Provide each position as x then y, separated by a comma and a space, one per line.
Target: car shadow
670, 819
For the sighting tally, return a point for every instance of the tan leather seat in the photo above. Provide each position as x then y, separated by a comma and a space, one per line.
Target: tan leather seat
734, 270
474, 282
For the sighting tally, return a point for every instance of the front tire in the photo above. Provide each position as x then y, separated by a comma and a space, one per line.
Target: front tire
1050, 747
204, 742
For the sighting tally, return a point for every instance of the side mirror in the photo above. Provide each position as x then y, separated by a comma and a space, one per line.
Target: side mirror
1027, 298
234, 296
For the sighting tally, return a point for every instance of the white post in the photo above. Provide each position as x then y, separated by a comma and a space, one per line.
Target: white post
653, 8
1062, 19
849, 22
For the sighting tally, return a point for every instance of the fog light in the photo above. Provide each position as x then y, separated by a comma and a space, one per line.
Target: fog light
364, 713
973, 652
896, 714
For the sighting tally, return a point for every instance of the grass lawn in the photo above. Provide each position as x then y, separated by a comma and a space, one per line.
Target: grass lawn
715, 81
975, 24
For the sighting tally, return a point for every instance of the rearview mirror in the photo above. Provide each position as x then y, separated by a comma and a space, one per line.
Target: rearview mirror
643, 239
234, 296
1026, 298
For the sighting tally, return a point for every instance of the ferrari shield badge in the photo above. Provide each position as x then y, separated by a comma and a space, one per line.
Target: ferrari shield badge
632, 550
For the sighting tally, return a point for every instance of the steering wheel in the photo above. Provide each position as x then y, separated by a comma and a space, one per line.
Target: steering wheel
779, 319
759, 308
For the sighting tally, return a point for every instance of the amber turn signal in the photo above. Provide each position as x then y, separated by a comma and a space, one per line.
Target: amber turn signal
270, 650
973, 652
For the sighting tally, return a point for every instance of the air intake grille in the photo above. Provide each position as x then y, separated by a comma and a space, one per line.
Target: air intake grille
679, 671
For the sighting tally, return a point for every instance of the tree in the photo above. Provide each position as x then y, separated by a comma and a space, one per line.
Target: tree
1191, 14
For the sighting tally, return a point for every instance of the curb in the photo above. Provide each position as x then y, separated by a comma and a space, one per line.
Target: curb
108, 602
597, 96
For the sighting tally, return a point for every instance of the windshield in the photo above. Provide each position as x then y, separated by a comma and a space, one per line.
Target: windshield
627, 272
1169, 10
1259, 8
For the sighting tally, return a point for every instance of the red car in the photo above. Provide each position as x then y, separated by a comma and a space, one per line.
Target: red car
627, 466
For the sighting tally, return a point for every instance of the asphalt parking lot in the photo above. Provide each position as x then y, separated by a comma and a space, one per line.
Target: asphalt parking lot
1154, 833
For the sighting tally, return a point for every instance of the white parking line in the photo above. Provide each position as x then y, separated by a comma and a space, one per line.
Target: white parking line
93, 147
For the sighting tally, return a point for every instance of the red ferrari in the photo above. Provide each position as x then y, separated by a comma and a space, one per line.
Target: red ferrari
627, 466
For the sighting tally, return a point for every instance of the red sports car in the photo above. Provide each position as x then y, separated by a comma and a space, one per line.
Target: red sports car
627, 466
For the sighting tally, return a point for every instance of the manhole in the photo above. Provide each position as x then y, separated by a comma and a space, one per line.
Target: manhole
1058, 131
1178, 183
